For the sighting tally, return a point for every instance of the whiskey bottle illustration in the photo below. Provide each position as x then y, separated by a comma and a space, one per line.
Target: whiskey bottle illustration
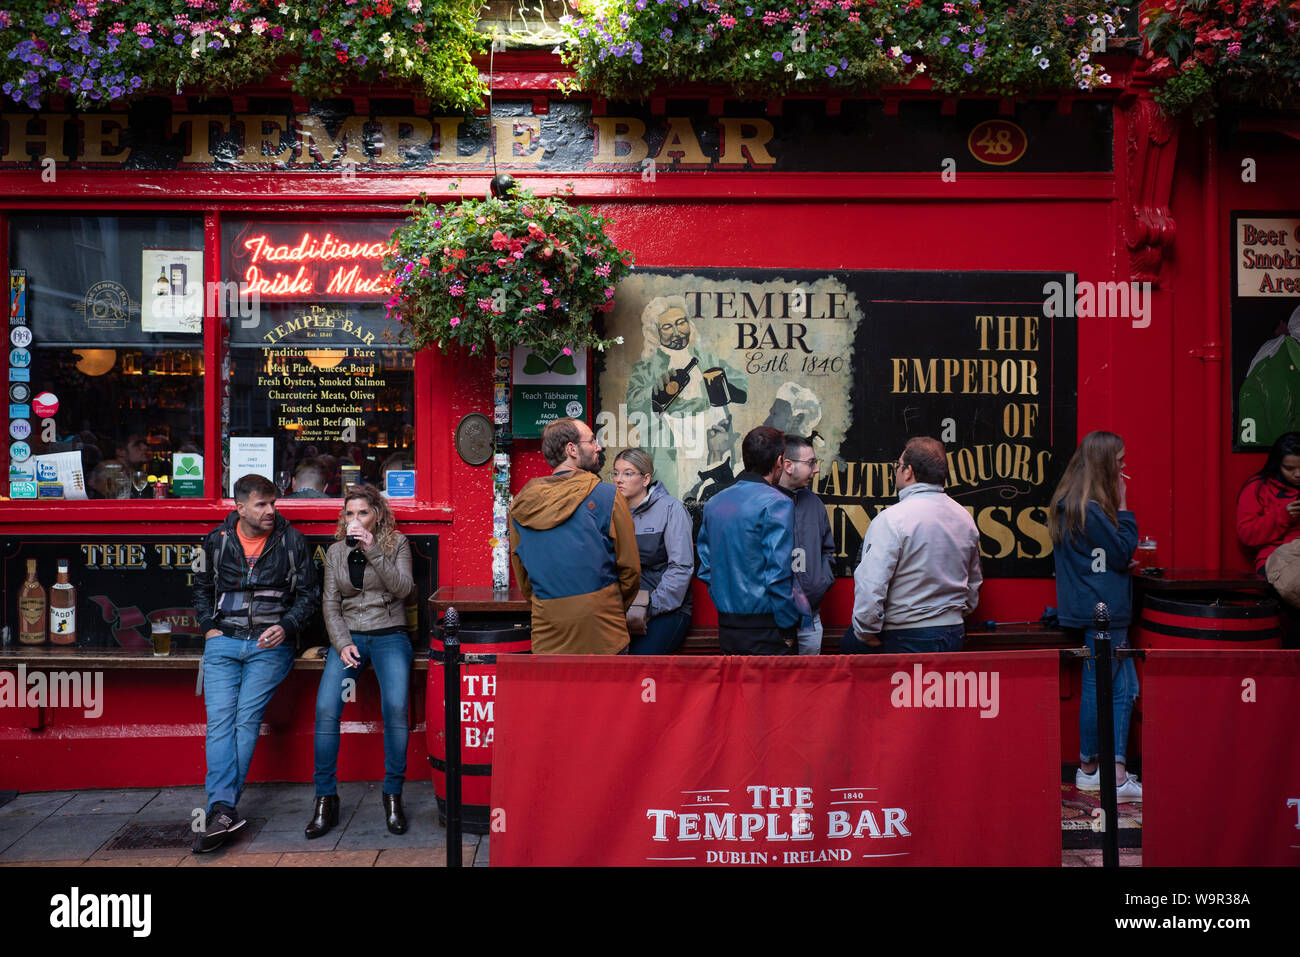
63, 608
661, 399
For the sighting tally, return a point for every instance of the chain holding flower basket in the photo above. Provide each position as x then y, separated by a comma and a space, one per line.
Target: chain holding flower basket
520, 271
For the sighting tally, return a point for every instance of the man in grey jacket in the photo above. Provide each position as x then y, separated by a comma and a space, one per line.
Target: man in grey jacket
814, 545
920, 570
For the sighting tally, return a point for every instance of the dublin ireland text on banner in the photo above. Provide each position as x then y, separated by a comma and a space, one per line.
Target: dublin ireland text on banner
889, 759
1221, 763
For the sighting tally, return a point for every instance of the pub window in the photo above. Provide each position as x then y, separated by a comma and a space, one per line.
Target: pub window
106, 365
320, 393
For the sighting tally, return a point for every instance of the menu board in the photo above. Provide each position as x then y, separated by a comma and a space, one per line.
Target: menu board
314, 364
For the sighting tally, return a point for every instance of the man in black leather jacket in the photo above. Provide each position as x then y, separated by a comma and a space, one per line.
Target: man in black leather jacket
255, 588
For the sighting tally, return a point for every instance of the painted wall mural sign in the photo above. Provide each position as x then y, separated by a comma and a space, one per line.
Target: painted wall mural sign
803, 136
860, 361
1265, 327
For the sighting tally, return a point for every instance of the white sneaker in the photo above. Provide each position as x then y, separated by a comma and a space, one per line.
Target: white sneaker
1130, 792
1087, 782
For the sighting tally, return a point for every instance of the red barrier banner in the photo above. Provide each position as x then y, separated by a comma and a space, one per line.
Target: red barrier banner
1221, 767
947, 759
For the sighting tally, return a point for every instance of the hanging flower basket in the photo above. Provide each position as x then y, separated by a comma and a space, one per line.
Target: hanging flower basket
520, 271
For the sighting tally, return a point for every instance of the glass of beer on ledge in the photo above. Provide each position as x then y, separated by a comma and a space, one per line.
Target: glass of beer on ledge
161, 632
1148, 557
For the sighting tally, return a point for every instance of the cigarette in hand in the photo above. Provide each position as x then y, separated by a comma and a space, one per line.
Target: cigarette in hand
1126, 476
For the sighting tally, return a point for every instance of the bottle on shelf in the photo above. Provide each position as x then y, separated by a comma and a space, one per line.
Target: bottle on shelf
63, 608
31, 608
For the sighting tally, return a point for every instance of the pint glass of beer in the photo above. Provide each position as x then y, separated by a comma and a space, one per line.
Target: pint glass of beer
1148, 556
161, 633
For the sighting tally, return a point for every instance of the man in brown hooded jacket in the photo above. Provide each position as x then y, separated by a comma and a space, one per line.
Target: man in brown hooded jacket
573, 549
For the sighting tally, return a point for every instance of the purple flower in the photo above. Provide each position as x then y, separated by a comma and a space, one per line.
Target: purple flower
179, 38
980, 28
116, 92
276, 32
905, 58
51, 19
844, 64
666, 34
964, 47
944, 41
316, 36
968, 67
146, 42
87, 83
831, 70
777, 55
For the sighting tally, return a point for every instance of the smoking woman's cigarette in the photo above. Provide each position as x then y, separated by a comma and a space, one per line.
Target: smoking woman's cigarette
1127, 477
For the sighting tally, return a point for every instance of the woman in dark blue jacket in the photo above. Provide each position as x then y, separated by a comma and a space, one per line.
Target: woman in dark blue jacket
1094, 535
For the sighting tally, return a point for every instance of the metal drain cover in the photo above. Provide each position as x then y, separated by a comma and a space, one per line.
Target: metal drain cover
149, 837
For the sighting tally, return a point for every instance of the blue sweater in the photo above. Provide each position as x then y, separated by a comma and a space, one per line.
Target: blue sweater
1093, 567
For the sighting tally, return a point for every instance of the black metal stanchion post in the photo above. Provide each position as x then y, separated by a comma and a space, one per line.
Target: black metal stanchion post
451, 694
1106, 736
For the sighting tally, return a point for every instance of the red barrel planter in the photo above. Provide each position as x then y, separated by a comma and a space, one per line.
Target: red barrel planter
481, 641
1202, 624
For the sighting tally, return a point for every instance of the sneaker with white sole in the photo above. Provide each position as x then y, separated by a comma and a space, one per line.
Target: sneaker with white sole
221, 823
1087, 782
1130, 792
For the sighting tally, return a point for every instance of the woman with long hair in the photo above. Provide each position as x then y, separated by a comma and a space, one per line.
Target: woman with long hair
1268, 505
1094, 535
660, 615
367, 579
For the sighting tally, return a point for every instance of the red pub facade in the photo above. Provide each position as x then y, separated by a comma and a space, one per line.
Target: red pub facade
1077, 256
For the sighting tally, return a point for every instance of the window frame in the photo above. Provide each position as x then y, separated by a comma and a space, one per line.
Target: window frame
431, 406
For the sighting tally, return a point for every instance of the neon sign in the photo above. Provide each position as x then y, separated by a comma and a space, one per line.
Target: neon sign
299, 261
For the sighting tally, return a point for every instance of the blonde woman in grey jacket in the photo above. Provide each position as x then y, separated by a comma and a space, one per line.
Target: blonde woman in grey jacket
367, 579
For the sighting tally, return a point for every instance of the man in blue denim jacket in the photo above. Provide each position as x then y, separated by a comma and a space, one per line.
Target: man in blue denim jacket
745, 547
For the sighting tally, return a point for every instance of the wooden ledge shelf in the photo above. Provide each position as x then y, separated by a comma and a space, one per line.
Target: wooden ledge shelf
50, 658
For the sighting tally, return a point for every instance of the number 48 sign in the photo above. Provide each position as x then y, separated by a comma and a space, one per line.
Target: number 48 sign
997, 142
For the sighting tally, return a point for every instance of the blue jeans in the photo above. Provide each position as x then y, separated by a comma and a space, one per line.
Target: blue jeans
1124, 688
664, 634
391, 655
239, 679
901, 641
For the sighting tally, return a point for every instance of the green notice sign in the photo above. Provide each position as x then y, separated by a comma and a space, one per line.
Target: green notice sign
546, 388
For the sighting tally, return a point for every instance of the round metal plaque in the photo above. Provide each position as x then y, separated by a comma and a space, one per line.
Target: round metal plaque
474, 437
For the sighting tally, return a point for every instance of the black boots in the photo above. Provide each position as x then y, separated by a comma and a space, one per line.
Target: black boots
393, 813
324, 817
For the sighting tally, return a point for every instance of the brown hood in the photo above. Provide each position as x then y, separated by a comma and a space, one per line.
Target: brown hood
549, 501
